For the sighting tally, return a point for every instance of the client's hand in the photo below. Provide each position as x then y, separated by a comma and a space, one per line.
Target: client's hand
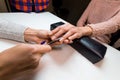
69, 32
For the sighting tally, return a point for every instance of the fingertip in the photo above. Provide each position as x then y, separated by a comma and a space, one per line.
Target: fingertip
47, 48
42, 48
70, 38
61, 39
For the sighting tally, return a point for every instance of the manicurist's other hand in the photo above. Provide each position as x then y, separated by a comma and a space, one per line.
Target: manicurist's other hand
21, 58
37, 36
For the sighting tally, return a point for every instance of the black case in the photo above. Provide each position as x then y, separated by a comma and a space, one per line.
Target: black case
89, 48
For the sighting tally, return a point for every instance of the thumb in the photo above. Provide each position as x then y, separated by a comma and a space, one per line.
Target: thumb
41, 48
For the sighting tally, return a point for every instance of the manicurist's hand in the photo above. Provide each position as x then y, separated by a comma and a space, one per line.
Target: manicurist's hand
37, 36
21, 58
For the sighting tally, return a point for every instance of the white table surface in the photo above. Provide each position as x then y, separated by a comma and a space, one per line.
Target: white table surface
64, 63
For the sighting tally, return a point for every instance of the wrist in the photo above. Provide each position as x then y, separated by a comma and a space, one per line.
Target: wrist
88, 30
27, 33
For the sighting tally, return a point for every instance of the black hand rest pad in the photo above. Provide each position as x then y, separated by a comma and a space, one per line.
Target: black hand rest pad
89, 48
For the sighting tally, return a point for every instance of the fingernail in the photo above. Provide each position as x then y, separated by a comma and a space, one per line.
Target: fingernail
61, 39
53, 37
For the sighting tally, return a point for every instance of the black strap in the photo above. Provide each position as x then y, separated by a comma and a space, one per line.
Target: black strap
33, 6
115, 37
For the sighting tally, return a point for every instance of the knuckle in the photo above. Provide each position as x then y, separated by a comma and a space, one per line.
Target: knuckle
35, 63
62, 28
72, 30
36, 39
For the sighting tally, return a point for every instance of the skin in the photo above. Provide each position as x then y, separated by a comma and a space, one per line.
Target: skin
37, 36
69, 32
24, 57
20, 58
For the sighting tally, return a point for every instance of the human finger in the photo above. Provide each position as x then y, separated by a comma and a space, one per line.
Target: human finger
41, 48
74, 36
66, 36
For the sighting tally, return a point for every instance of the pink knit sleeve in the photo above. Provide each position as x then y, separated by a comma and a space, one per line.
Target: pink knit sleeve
83, 18
107, 27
